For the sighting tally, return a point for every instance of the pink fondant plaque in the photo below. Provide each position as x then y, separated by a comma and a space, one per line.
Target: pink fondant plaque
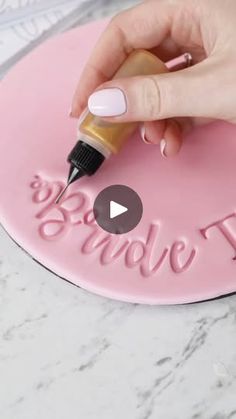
184, 248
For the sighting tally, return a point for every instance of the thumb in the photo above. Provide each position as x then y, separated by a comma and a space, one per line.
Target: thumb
198, 91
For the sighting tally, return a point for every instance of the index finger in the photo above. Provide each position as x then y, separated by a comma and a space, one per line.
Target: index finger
143, 26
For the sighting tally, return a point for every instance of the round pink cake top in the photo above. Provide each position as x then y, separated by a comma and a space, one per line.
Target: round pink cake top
183, 249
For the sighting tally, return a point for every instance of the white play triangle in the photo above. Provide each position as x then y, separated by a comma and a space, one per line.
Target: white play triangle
116, 209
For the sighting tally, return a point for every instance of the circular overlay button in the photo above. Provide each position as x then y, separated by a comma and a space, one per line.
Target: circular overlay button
118, 209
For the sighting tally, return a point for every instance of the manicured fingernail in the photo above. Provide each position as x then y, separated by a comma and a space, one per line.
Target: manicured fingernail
70, 112
162, 148
143, 135
107, 102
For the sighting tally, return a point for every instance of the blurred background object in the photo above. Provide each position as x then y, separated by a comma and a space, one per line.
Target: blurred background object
25, 24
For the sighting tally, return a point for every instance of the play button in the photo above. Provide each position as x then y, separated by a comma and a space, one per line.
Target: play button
118, 209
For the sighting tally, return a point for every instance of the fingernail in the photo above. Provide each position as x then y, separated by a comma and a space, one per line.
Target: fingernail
143, 135
162, 147
107, 102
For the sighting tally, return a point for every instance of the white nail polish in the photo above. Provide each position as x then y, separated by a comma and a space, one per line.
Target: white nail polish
107, 102
143, 135
162, 147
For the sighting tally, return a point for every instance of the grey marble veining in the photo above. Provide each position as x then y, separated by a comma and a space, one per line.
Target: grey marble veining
65, 353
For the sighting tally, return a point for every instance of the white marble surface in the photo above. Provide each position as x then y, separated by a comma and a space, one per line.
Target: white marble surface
65, 353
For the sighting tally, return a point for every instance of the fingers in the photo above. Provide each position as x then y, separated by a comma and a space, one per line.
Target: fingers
172, 140
153, 132
166, 50
167, 134
143, 26
193, 92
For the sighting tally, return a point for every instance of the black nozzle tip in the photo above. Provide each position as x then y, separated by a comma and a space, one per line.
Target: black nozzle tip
85, 158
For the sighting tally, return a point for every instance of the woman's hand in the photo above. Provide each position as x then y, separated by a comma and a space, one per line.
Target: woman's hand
170, 104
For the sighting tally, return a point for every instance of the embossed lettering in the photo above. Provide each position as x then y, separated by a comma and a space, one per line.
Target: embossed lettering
175, 252
109, 243
225, 230
146, 267
57, 220
63, 216
131, 258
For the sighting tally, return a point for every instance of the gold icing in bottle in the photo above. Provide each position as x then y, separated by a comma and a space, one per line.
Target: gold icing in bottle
112, 136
